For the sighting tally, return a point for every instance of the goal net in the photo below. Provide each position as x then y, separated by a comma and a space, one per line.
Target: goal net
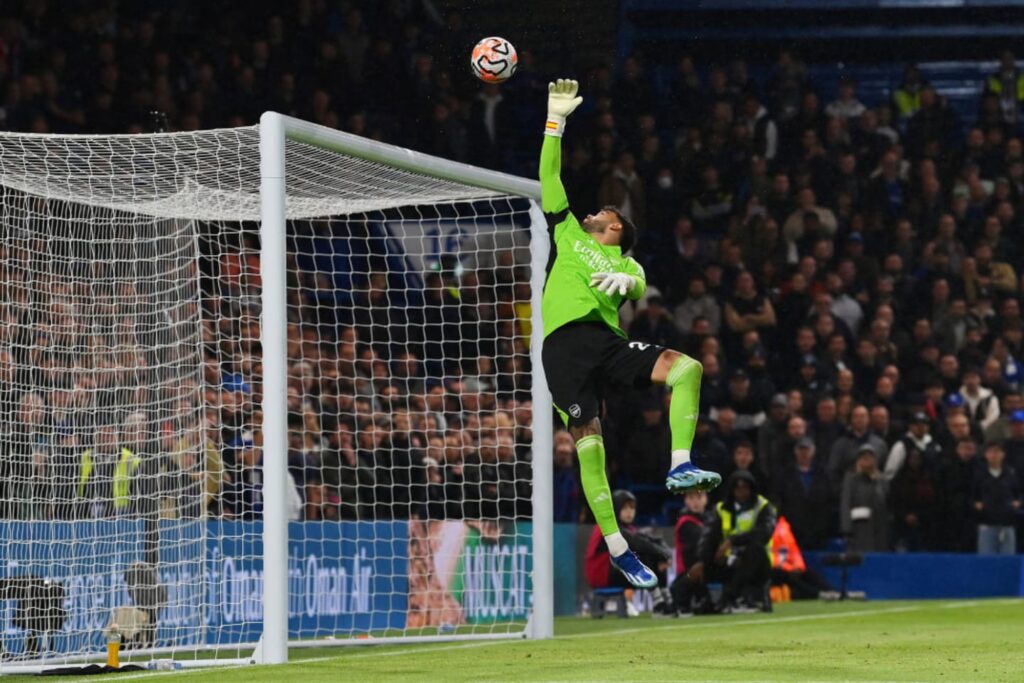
285, 405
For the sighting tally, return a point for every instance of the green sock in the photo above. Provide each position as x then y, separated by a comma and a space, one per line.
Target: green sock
595, 482
684, 379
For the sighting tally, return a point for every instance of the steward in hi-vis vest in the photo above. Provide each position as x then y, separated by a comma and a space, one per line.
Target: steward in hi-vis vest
736, 546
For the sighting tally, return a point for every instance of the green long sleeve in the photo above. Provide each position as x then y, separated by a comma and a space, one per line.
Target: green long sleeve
553, 197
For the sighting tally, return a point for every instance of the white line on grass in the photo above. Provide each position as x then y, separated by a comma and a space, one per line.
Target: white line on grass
748, 622
983, 603
193, 670
419, 649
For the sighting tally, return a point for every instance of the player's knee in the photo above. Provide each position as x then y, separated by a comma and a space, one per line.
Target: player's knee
695, 369
585, 429
685, 370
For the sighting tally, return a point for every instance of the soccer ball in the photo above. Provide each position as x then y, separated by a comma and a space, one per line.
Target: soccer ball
494, 60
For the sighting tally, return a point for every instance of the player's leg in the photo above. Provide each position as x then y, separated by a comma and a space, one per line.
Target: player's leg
590, 450
570, 355
682, 374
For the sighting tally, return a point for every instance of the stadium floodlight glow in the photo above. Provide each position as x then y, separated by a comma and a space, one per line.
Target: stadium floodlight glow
206, 336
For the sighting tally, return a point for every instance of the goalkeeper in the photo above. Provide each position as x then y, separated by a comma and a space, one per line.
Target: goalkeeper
584, 350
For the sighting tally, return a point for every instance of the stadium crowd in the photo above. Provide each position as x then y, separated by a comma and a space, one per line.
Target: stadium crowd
846, 274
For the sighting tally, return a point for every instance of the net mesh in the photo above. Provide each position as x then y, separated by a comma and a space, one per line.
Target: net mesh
131, 368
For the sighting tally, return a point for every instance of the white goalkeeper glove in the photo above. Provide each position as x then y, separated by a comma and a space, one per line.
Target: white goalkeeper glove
607, 283
562, 101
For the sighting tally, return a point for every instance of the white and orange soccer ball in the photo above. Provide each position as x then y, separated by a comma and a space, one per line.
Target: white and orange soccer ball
494, 60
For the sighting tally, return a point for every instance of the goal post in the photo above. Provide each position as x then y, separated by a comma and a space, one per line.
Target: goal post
267, 387
275, 131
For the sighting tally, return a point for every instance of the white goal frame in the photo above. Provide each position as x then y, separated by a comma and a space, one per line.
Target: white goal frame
274, 130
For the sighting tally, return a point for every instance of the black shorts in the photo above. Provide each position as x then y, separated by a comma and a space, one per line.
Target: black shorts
581, 359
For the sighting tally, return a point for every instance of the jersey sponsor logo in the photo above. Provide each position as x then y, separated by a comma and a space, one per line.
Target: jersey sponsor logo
575, 410
593, 259
639, 346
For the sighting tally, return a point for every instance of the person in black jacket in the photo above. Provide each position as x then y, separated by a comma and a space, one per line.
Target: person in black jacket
956, 477
686, 592
734, 546
803, 495
997, 497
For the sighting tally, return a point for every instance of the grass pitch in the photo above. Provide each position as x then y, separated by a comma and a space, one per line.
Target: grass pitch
978, 640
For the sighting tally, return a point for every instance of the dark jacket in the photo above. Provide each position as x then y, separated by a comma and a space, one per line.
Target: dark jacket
689, 528
806, 501
996, 495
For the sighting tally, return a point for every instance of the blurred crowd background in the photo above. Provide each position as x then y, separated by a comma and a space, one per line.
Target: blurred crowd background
846, 270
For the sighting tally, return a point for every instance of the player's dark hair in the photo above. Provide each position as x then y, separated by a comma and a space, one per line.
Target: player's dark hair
628, 239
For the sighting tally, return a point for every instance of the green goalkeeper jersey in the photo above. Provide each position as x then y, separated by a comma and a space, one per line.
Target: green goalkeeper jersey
575, 256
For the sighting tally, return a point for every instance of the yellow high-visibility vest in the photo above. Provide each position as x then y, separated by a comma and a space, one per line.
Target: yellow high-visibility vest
995, 84
907, 103
733, 525
126, 467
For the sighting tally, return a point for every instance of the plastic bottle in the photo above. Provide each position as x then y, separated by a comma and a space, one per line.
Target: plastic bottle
114, 647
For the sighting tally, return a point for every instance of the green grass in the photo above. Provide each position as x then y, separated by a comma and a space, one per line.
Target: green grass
979, 640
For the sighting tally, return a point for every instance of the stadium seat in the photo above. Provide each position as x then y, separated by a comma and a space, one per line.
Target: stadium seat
600, 597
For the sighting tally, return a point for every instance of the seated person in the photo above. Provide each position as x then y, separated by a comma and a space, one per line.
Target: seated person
651, 551
689, 596
735, 548
789, 568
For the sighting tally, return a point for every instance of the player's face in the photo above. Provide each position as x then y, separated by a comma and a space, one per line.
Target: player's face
597, 223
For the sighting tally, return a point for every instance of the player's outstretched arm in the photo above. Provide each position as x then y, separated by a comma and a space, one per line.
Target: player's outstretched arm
562, 101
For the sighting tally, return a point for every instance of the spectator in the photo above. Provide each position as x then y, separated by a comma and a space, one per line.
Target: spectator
741, 527
918, 439
932, 126
623, 189
1008, 84
847, 449
957, 475
648, 437
803, 495
914, 500
795, 229
981, 403
748, 310
762, 129
654, 325
697, 304
997, 498
863, 512
688, 531
772, 433
907, 98
566, 483
743, 402
846, 105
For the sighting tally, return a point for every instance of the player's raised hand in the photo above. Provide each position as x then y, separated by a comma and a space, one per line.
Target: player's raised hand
562, 101
562, 97
608, 283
